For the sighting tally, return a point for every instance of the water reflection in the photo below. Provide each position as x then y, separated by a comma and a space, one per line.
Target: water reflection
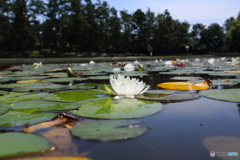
223, 144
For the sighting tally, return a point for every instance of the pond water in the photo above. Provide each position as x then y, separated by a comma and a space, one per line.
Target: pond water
180, 131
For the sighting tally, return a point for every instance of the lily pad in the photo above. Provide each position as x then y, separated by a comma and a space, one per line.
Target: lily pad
17, 118
107, 130
3, 93
220, 81
3, 79
170, 98
39, 86
185, 78
178, 72
15, 85
224, 74
3, 110
73, 95
19, 97
110, 108
41, 106
21, 143
232, 95
99, 78
28, 78
67, 79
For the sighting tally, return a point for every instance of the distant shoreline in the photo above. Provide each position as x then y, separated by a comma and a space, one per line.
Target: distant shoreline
20, 61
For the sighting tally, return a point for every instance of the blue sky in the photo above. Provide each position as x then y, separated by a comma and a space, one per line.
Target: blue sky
192, 11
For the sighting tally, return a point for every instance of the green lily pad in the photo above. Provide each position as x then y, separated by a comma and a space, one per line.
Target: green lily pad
3, 93
59, 74
107, 130
17, 118
19, 97
224, 74
186, 78
110, 108
178, 72
3, 110
171, 98
73, 95
232, 95
93, 74
80, 86
67, 79
15, 85
39, 86
28, 78
99, 78
162, 91
220, 81
21, 143
31, 106
3, 79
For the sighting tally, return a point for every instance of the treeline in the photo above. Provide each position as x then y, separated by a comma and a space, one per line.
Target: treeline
54, 27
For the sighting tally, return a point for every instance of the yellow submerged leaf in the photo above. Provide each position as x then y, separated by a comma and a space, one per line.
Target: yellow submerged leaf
186, 85
30, 81
231, 71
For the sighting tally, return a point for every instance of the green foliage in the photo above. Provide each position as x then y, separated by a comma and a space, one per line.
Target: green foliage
55, 27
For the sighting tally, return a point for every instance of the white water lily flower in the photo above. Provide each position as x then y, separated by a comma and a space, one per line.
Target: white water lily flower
91, 62
129, 67
126, 87
211, 60
37, 65
116, 70
136, 62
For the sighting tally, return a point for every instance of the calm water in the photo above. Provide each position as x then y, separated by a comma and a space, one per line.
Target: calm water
186, 130
181, 131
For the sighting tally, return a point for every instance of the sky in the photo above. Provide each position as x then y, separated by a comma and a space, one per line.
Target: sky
192, 11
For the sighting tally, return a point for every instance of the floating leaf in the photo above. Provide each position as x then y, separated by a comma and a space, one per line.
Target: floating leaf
231, 71
185, 78
186, 85
28, 78
19, 97
110, 108
73, 95
169, 98
16, 118
3, 79
31, 106
220, 81
99, 78
3, 93
232, 95
29, 81
3, 110
57, 121
106, 130
67, 79
15, 85
21, 143
39, 86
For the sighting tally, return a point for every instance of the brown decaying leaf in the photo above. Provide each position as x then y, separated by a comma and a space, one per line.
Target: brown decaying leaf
47, 124
231, 71
64, 118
